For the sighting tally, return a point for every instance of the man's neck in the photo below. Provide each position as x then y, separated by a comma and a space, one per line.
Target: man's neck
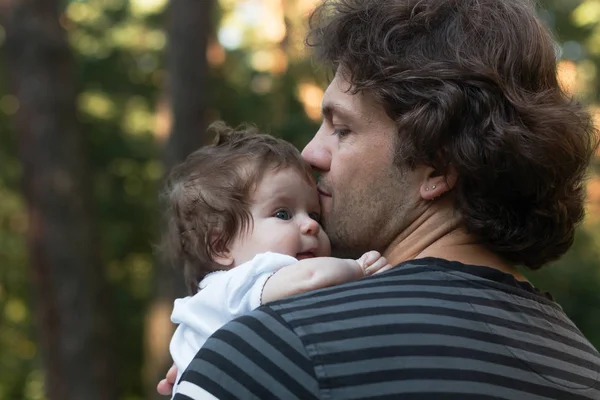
438, 232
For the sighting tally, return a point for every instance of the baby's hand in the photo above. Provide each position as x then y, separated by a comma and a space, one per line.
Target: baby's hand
321, 272
372, 262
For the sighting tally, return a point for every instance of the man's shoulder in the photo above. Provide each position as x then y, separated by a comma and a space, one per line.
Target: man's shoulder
418, 272
428, 278
403, 331
429, 289
416, 323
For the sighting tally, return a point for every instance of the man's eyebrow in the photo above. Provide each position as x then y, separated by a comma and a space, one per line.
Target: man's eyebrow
329, 110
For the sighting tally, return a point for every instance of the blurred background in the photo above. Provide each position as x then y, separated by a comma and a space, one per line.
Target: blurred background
98, 99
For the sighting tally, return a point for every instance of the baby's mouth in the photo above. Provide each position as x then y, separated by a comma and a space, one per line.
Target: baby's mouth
305, 254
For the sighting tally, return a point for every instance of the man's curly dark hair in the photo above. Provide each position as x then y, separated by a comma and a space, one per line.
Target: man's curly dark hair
472, 85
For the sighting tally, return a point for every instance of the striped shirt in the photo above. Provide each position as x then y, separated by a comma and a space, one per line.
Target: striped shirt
427, 329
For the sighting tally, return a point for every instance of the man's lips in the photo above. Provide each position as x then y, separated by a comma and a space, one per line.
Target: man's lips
323, 192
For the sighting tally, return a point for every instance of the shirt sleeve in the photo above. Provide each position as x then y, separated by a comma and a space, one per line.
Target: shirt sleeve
227, 295
256, 356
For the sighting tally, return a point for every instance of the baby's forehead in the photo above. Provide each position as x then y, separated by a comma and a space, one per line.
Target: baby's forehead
287, 183
289, 177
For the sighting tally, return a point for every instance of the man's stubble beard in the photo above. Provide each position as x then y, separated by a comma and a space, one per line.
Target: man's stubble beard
369, 219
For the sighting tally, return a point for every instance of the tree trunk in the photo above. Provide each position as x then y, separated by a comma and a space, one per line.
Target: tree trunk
66, 271
189, 26
189, 29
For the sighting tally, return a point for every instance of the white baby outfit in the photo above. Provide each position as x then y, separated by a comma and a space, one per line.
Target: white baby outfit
223, 296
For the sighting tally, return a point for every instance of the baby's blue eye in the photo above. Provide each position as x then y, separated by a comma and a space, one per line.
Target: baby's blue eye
283, 214
315, 216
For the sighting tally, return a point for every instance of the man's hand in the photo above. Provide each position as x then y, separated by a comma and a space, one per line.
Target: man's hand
165, 386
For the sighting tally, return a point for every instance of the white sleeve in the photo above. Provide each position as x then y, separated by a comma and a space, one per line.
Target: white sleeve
227, 296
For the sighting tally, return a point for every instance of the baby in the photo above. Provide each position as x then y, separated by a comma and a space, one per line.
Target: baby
243, 220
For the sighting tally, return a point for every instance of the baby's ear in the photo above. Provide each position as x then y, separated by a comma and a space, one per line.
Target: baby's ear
219, 252
223, 258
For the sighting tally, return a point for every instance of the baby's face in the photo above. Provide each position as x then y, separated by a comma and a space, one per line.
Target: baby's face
285, 211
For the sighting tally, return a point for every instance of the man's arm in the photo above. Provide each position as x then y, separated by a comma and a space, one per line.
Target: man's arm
256, 356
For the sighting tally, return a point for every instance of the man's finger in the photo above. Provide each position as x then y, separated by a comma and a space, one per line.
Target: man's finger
172, 375
164, 388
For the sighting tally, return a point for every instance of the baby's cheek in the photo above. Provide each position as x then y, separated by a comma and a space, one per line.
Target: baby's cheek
325, 244
282, 241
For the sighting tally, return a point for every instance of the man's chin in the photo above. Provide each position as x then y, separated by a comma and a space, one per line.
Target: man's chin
325, 201
344, 252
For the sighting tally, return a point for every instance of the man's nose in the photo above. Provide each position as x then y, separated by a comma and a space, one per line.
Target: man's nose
317, 154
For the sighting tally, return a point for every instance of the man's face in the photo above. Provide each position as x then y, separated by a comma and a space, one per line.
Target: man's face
366, 199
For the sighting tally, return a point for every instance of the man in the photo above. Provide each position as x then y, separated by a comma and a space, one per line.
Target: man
448, 145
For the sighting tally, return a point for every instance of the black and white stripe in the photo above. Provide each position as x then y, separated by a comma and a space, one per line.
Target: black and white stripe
428, 329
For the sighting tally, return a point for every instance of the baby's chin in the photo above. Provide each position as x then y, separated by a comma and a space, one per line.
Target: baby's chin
305, 255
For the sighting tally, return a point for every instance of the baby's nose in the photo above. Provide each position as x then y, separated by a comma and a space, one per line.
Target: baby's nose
310, 227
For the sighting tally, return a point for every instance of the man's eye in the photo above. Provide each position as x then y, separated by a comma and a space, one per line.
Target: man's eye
341, 132
315, 216
283, 214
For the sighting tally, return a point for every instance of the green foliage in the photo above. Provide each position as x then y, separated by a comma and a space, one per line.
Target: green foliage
574, 282
17, 344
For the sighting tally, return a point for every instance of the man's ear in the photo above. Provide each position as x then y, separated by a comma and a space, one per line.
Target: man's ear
436, 185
